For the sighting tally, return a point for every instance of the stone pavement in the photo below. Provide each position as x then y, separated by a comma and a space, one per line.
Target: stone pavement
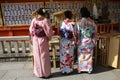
24, 71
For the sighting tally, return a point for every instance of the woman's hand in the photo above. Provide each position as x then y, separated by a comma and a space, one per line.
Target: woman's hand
53, 32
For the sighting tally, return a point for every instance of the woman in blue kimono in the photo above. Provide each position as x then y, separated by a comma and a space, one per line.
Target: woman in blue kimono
86, 41
67, 43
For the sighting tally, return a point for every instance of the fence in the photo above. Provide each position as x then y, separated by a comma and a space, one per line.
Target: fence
15, 46
19, 48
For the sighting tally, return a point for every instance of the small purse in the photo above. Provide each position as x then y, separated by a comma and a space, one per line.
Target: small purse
38, 31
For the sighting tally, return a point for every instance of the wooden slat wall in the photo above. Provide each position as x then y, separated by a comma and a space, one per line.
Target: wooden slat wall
103, 48
113, 52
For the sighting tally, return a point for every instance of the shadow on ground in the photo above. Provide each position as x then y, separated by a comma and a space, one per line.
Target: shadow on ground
59, 74
99, 69
96, 70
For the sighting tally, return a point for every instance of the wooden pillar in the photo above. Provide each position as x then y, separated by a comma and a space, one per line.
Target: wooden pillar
53, 55
118, 66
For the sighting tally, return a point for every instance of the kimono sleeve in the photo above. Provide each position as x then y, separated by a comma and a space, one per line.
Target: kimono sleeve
95, 28
62, 26
78, 29
48, 30
31, 27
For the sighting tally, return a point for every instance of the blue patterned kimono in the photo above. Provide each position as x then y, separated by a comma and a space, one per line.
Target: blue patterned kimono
86, 42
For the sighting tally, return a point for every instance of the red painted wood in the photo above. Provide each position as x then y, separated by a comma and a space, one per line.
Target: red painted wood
4, 33
24, 30
68, 0
20, 32
18, 1
14, 31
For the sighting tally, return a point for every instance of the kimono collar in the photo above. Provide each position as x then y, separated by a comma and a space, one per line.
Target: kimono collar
41, 18
66, 21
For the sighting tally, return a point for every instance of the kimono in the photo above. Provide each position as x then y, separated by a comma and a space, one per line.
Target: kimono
86, 41
42, 66
67, 42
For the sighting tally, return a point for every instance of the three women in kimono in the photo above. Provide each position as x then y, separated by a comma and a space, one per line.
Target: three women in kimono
42, 66
86, 31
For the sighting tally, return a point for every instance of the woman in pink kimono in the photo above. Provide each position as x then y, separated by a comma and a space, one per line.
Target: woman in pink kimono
67, 44
41, 32
86, 41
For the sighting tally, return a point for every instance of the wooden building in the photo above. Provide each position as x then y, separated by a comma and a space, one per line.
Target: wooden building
15, 18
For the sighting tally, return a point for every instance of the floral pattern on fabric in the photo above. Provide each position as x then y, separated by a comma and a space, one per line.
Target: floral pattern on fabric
87, 35
67, 48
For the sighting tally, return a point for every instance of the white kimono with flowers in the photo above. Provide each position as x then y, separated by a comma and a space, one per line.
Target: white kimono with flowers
67, 47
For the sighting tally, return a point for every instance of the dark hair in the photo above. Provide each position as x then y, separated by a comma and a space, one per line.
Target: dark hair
68, 14
41, 11
84, 12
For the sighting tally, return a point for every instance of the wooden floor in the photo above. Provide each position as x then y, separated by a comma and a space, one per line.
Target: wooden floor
24, 71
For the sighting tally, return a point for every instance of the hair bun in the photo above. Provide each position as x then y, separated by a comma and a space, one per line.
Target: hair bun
41, 11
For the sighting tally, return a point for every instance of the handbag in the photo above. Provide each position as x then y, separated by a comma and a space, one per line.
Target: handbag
38, 31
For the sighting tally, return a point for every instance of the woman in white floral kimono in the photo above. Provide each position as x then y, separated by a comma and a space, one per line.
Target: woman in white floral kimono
67, 43
86, 41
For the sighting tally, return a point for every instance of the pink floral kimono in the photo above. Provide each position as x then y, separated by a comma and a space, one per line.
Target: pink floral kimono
42, 66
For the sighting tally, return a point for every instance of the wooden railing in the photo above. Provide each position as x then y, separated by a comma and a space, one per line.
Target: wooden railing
19, 47
15, 46
103, 47
108, 28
